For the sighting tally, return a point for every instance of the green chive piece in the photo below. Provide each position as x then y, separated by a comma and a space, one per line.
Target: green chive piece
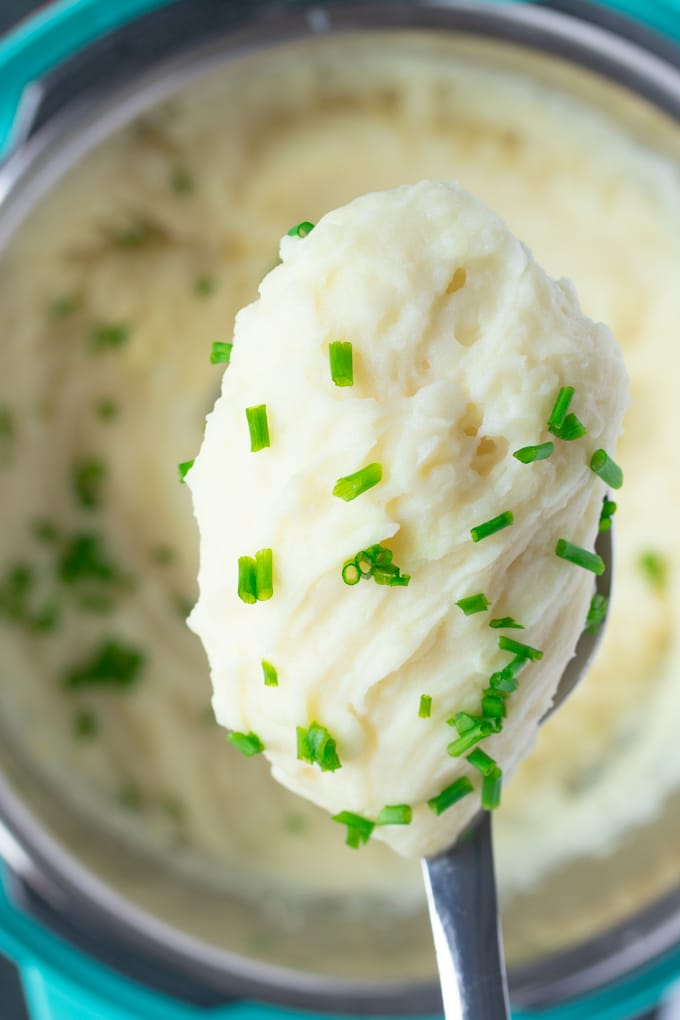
503, 682
492, 784
399, 581
596, 613
351, 574
560, 408
220, 354
84, 558
64, 306
365, 563
264, 571
450, 795
606, 514
528, 454
88, 477
45, 530
463, 722
271, 677
395, 814
580, 557
425, 708
259, 427
132, 236
247, 743
572, 428
182, 181
316, 746
130, 796
106, 410
85, 724
469, 738
104, 336
481, 761
351, 486
481, 531
508, 644
359, 829
608, 470
473, 604
205, 285
162, 555
655, 568
113, 664
184, 468
301, 229
247, 582
493, 705
506, 623
341, 361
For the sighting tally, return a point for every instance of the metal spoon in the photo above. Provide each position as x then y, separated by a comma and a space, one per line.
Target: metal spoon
461, 883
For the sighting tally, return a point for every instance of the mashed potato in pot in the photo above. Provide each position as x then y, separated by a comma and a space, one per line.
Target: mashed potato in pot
110, 298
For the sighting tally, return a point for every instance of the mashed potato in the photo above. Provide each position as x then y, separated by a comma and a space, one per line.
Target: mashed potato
462, 344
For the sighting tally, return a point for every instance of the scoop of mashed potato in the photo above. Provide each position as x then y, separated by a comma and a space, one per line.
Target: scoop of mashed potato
460, 346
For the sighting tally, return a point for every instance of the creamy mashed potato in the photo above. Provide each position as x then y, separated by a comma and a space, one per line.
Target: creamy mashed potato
166, 231
462, 345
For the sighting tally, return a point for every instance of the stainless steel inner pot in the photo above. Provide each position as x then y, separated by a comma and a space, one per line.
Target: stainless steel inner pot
122, 903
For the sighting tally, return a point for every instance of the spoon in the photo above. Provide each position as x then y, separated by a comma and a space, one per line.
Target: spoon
461, 884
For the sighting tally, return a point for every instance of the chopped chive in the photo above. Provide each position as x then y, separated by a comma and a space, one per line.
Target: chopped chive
113, 664
481, 531
506, 623
608, 470
359, 829
503, 682
450, 795
365, 563
341, 361
655, 568
492, 784
220, 354
132, 236
351, 486
258, 427
316, 746
85, 724
596, 612
105, 336
606, 514
88, 478
469, 738
572, 428
84, 558
205, 285
271, 677
528, 454
163, 555
508, 644
473, 604
351, 574
425, 708
247, 743
264, 584
463, 722
130, 796
493, 705
64, 306
395, 814
301, 229
580, 557
481, 761
184, 468
247, 583
45, 530
399, 581
106, 410
181, 181
560, 408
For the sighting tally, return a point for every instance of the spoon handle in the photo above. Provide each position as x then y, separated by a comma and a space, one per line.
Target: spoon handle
461, 898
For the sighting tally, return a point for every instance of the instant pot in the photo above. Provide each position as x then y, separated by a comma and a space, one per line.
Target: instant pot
81, 937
